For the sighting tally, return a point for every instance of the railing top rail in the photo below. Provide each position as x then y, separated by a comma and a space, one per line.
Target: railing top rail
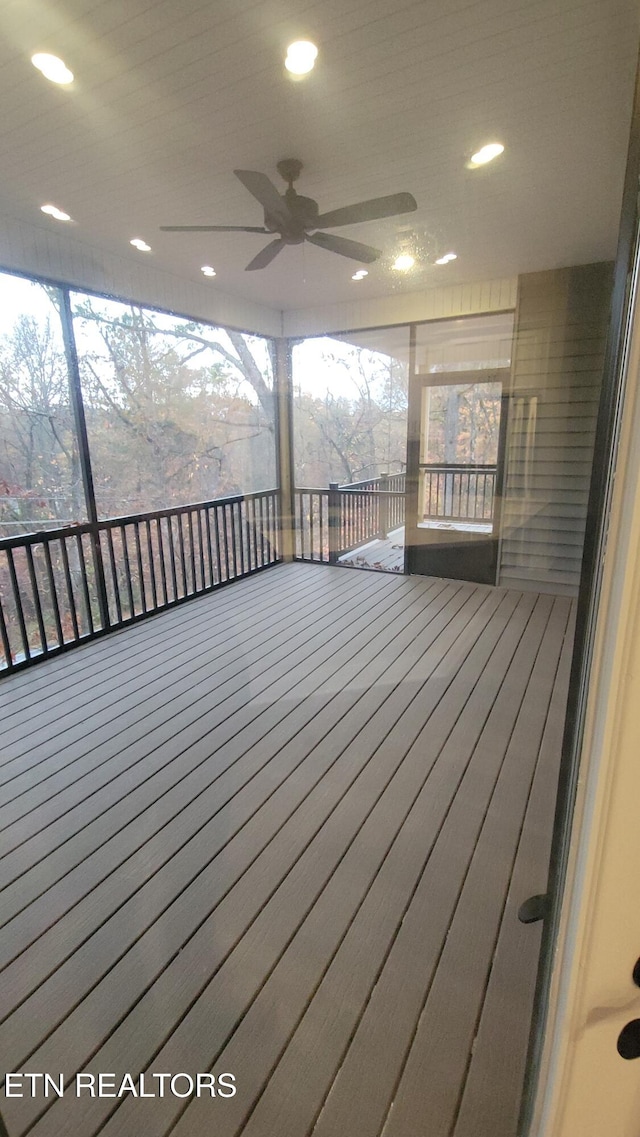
370, 481
43, 535
471, 467
350, 490
370, 493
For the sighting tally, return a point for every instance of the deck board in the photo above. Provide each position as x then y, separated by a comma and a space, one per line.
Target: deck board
270, 860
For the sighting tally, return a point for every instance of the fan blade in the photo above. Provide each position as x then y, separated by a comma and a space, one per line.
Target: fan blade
352, 249
266, 193
266, 255
372, 210
214, 229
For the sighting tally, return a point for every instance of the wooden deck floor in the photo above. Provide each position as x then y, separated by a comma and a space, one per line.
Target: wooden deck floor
384, 555
283, 832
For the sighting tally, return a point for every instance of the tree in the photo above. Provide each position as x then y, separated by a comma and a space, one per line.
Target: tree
359, 433
174, 413
39, 467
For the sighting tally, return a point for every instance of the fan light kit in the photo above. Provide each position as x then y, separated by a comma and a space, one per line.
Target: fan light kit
446, 258
295, 218
486, 154
404, 262
53, 211
301, 57
360, 274
52, 68
207, 270
141, 245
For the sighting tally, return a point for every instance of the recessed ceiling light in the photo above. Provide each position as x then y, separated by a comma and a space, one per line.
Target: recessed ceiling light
360, 274
404, 262
141, 245
52, 68
486, 154
446, 258
53, 211
301, 57
207, 270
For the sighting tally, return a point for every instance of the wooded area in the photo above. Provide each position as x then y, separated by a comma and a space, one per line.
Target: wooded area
176, 411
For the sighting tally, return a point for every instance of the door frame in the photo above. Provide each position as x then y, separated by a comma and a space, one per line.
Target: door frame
417, 384
581, 770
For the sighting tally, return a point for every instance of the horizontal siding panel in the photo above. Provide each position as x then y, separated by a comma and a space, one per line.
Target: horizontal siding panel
566, 572
555, 461
534, 350
559, 365
553, 393
548, 539
538, 523
557, 588
573, 428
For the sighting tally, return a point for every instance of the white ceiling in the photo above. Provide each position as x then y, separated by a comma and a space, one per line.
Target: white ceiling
171, 96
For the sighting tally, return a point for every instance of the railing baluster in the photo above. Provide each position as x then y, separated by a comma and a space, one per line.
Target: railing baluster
172, 558
255, 531
36, 599
260, 501
183, 562
143, 591
192, 552
18, 602
152, 568
85, 584
248, 529
200, 549
54, 594
239, 535
114, 574
225, 542
163, 570
127, 570
4, 637
209, 558
270, 543
232, 540
268, 547
273, 546
216, 530
70, 595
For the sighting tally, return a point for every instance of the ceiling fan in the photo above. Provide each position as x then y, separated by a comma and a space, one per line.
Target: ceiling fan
296, 218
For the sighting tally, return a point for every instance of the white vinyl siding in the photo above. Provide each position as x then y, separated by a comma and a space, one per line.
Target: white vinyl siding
558, 355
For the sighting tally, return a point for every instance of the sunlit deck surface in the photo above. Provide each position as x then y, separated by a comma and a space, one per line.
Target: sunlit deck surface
283, 831
384, 554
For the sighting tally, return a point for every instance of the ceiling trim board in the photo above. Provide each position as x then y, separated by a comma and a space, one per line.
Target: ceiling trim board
453, 300
34, 251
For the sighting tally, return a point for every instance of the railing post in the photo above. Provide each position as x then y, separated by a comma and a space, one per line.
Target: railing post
334, 522
383, 511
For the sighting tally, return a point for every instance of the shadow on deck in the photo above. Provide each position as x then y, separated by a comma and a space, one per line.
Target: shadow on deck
283, 831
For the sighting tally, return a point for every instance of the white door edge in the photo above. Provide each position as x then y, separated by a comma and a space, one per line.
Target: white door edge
585, 1089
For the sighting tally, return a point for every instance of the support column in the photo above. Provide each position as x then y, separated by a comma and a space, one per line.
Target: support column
284, 446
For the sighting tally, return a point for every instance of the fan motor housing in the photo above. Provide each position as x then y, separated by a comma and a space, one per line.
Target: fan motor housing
304, 212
